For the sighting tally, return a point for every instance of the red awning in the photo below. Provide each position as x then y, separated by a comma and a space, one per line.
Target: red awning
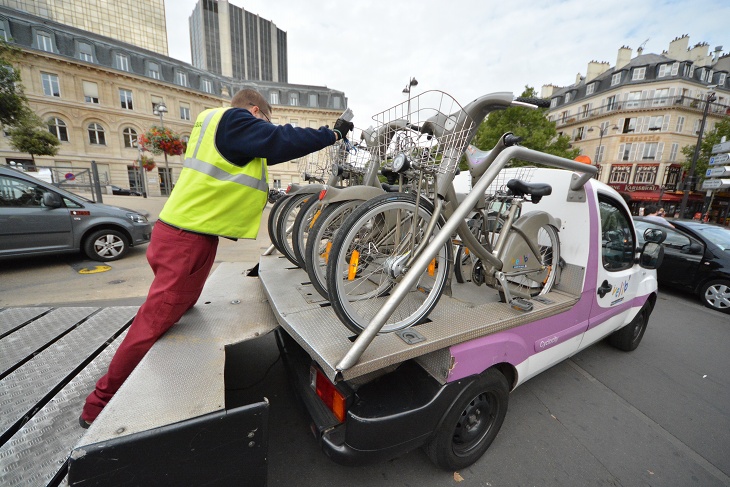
654, 196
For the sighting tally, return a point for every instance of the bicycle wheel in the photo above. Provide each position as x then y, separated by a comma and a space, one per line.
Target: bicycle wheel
272, 223
285, 223
368, 258
528, 277
306, 218
319, 242
486, 233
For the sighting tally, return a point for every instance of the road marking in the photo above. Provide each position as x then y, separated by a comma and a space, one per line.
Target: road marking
95, 269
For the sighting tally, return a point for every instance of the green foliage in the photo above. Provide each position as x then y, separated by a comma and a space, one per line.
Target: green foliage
13, 103
536, 130
722, 128
32, 137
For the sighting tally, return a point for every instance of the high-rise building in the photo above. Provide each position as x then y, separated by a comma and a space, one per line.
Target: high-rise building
232, 42
137, 22
633, 119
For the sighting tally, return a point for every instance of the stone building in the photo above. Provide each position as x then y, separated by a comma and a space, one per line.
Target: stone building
632, 119
97, 94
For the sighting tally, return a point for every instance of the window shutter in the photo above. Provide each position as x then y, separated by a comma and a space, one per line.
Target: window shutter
665, 124
659, 151
632, 154
620, 125
620, 152
647, 120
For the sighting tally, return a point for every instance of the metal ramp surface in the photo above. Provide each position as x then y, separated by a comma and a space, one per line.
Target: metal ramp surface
314, 325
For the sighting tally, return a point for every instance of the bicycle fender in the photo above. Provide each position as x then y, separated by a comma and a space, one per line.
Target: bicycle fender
362, 193
530, 223
308, 189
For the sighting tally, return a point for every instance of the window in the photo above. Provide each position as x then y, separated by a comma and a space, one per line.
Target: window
630, 125
633, 100
313, 100
615, 79
125, 98
624, 152
207, 86
274, 97
130, 138
91, 92
600, 150
96, 134
611, 103
661, 97
57, 127
619, 174
184, 111
655, 123
44, 41
638, 74
696, 128
578, 133
17, 193
591, 88
294, 99
617, 239
153, 71
585, 111
156, 100
50, 84
336, 100
721, 79
680, 124
568, 97
673, 152
646, 174
121, 61
181, 78
553, 103
85, 52
668, 69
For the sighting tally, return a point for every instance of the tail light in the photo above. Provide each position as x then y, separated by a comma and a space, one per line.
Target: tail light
328, 393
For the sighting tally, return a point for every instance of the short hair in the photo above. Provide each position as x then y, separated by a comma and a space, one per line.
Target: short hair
651, 208
248, 98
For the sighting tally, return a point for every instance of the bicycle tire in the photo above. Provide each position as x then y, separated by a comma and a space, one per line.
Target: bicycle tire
319, 242
486, 234
285, 224
541, 281
272, 226
302, 226
358, 290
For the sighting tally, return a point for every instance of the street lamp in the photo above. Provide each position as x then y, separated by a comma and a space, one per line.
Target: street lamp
691, 179
602, 131
160, 109
407, 89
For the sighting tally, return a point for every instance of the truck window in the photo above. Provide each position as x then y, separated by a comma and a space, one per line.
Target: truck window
617, 239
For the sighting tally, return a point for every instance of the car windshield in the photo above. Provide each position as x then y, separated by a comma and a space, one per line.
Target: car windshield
718, 236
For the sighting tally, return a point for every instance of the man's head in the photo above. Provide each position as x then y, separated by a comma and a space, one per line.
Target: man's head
651, 209
254, 102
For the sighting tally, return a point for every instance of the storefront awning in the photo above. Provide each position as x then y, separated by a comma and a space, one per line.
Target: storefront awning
654, 196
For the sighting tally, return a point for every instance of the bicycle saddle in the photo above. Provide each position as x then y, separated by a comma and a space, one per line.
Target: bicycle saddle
535, 190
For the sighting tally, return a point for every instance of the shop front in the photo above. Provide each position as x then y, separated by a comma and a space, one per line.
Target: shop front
639, 195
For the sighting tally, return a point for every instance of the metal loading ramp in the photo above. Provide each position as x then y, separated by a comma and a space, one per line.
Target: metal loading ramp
470, 313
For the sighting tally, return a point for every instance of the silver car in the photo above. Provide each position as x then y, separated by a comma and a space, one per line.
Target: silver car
37, 218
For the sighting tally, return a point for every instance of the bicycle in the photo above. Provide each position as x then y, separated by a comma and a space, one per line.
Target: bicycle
390, 261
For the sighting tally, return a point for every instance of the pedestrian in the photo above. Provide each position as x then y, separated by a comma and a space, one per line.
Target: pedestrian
221, 192
655, 213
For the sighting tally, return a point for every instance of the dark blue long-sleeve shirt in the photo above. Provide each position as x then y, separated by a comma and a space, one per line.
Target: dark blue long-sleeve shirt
242, 137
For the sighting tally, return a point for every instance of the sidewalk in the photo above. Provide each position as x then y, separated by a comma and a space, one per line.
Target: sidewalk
150, 206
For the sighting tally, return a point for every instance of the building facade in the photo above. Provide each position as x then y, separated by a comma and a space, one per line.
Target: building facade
137, 22
97, 95
634, 118
229, 41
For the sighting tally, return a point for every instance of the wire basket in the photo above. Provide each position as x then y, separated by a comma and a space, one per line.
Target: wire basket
431, 130
342, 158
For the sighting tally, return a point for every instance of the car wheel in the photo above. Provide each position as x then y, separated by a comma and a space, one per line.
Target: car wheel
716, 295
472, 423
629, 337
106, 245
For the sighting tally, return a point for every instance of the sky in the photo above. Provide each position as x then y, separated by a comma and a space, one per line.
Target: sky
467, 48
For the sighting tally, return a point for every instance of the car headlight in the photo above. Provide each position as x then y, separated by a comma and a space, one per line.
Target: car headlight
137, 218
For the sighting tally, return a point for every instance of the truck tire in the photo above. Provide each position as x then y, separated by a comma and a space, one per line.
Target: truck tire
629, 337
471, 424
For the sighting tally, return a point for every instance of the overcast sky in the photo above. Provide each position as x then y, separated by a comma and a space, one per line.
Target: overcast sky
371, 49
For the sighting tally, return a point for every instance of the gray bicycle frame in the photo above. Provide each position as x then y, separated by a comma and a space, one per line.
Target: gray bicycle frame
476, 111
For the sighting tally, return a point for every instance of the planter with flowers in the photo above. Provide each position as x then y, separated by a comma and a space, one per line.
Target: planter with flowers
147, 162
160, 140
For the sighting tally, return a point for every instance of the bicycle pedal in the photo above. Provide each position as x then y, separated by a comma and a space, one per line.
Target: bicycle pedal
521, 304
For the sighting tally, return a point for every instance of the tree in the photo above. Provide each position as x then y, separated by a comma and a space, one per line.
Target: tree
722, 128
13, 103
32, 137
536, 130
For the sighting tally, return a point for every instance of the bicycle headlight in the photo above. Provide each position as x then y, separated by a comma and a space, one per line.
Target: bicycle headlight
401, 163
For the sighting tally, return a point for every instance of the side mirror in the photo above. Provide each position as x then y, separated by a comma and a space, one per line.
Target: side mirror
651, 255
52, 200
656, 235
695, 248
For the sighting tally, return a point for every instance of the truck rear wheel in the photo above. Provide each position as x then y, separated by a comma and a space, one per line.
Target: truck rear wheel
629, 337
471, 424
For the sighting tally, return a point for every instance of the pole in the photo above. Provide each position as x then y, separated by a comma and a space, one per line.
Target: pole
141, 171
691, 178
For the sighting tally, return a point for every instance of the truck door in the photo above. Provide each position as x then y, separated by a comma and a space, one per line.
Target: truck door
617, 280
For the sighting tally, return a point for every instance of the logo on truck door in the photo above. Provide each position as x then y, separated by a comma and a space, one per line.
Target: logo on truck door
618, 291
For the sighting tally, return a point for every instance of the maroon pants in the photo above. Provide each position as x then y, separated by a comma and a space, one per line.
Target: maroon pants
181, 262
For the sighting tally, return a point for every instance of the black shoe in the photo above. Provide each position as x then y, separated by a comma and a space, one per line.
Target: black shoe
83, 423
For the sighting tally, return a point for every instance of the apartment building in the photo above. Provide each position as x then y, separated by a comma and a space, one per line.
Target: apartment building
98, 94
632, 119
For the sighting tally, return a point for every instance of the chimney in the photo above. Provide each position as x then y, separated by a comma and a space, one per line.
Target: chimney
547, 91
578, 78
678, 48
699, 54
595, 69
624, 57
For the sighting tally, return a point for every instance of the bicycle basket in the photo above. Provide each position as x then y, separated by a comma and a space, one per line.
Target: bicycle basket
431, 130
344, 157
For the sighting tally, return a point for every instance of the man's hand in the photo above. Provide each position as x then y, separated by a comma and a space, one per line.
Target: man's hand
343, 127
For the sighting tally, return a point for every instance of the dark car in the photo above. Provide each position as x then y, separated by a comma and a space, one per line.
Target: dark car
37, 218
124, 191
696, 259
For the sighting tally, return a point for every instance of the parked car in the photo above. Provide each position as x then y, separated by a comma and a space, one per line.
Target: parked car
37, 218
124, 191
696, 259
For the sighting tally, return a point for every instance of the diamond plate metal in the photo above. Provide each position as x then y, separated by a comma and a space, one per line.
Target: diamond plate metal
34, 336
14, 317
571, 279
25, 387
318, 330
